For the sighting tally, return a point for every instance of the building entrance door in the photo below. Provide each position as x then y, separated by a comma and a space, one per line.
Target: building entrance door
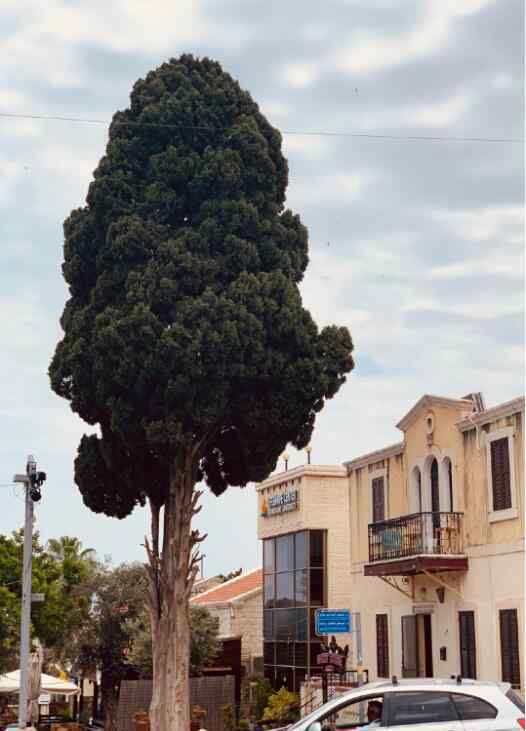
417, 646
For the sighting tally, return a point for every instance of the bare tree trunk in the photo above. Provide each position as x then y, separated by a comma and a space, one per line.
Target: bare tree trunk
110, 702
171, 573
110, 720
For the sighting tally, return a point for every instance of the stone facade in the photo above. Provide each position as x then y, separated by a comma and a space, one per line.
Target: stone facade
493, 545
441, 467
247, 622
238, 606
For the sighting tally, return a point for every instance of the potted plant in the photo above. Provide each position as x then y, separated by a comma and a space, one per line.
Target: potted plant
198, 717
142, 721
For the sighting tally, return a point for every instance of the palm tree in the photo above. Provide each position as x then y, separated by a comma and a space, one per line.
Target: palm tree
68, 548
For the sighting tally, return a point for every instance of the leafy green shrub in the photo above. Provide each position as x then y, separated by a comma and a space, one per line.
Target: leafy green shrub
283, 706
260, 695
229, 719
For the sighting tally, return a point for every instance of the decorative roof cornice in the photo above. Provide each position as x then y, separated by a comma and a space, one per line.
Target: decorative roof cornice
372, 457
496, 412
426, 401
306, 470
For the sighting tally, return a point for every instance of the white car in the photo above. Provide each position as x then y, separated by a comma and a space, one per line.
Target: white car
420, 704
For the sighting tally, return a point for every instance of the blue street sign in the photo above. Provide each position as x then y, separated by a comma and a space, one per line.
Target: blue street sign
333, 621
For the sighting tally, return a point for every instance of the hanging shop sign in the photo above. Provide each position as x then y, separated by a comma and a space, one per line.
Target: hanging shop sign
283, 502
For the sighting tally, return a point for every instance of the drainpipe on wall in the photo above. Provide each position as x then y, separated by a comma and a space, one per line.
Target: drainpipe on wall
477, 430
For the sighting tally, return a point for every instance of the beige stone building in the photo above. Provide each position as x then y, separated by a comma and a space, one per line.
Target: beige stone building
422, 540
304, 522
238, 605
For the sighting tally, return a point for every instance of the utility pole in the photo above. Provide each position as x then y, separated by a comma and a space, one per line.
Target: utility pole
32, 482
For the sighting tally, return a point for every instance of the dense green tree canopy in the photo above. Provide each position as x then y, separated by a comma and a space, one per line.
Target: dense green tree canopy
204, 643
105, 639
184, 334
65, 581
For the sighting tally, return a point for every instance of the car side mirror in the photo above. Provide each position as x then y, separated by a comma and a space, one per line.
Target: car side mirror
315, 726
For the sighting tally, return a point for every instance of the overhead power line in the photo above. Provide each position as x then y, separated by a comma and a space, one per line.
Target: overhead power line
310, 133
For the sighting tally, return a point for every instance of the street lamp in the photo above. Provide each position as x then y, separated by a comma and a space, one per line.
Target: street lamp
308, 449
32, 481
285, 457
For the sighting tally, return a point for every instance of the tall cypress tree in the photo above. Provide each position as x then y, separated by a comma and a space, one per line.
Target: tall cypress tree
185, 339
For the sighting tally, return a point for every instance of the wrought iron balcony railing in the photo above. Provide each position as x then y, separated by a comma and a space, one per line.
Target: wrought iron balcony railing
437, 534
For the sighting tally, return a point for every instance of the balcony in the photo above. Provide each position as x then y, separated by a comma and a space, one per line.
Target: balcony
414, 544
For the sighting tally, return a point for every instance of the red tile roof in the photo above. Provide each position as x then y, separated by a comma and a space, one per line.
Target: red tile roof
232, 589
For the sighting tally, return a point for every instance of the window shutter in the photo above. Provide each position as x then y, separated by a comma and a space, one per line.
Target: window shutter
509, 647
382, 646
378, 499
500, 474
468, 651
409, 647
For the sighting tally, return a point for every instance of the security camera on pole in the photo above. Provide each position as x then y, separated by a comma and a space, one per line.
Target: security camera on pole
33, 481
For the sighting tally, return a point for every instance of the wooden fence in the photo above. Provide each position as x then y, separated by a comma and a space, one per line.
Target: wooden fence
208, 692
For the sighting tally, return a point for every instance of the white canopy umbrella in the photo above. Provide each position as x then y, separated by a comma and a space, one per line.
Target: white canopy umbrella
10, 683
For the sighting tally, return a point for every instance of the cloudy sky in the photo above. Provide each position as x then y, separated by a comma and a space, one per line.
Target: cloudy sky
416, 245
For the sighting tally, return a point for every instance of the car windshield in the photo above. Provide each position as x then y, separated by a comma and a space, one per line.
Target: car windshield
312, 716
305, 719
348, 712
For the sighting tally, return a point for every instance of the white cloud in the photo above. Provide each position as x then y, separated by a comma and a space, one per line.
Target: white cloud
309, 147
275, 109
388, 257
120, 25
482, 224
443, 113
502, 81
299, 75
12, 100
329, 190
368, 53
11, 172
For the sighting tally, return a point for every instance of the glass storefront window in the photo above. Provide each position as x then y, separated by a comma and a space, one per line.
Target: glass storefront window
268, 556
301, 586
299, 677
316, 587
284, 653
301, 654
302, 628
294, 586
301, 550
285, 624
285, 589
316, 549
270, 591
285, 553
268, 625
268, 653
284, 677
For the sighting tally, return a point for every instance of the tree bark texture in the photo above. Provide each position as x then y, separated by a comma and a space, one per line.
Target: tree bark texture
171, 572
110, 701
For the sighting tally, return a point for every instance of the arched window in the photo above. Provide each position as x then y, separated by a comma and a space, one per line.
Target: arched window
435, 494
447, 473
416, 490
